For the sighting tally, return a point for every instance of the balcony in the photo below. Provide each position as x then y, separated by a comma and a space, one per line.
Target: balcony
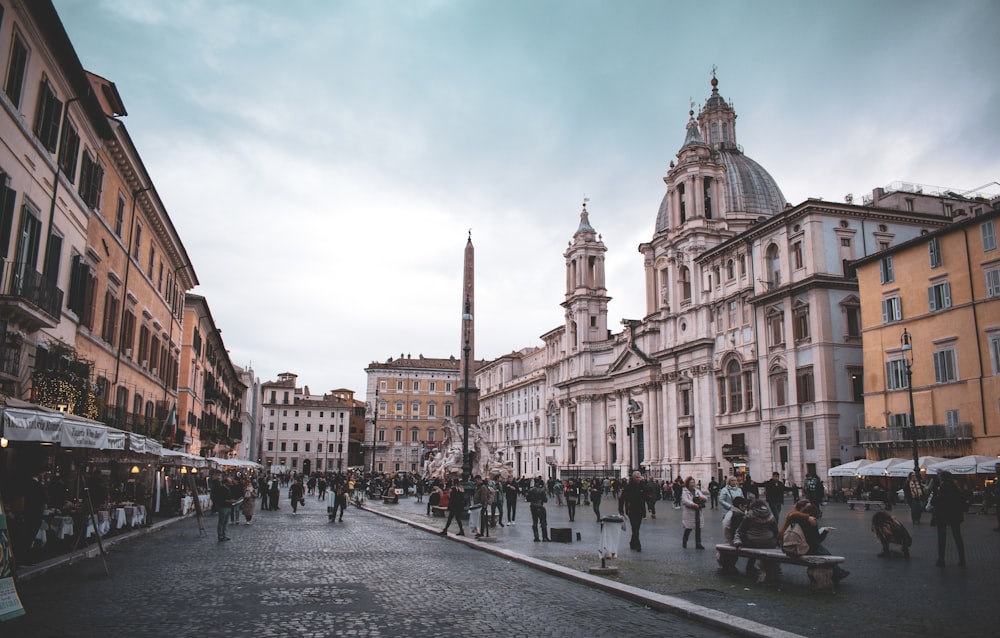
733, 450
28, 298
930, 435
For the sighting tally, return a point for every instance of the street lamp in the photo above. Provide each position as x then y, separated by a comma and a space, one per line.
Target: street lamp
629, 431
374, 428
907, 349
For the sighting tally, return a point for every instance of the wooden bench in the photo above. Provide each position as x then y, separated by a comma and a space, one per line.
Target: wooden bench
818, 568
390, 499
852, 502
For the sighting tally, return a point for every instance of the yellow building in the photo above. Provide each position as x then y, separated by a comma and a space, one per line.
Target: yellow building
407, 400
930, 310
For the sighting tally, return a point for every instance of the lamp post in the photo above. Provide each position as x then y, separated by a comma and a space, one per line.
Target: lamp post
629, 431
907, 349
374, 428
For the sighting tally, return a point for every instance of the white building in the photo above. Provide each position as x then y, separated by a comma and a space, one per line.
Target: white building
749, 355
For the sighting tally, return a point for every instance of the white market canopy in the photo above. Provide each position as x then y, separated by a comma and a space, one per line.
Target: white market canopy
234, 463
173, 457
43, 425
966, 465
904, 469
848, 469
897, 467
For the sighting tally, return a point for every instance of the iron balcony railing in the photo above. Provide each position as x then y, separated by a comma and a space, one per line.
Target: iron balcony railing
28, 285
901, 436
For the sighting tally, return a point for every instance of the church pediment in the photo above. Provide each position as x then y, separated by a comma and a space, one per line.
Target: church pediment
631, 358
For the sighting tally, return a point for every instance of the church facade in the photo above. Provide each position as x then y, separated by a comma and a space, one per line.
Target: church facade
749, 355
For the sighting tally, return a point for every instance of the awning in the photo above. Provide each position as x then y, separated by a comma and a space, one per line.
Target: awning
848, 469
34, 423
965, 465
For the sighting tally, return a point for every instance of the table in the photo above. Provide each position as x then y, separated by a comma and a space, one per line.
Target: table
61, 526
135, 515
103, 523
118, 518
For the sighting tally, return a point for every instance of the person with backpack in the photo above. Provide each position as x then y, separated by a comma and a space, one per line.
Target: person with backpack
758, 530
801, 531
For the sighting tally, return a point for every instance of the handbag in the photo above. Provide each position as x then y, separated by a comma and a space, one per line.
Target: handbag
930, 503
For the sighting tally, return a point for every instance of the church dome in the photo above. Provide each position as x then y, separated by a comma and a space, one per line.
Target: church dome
748, 189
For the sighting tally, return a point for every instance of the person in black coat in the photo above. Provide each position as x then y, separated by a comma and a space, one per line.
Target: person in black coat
633, 504
537, 497
456, 508
948, 512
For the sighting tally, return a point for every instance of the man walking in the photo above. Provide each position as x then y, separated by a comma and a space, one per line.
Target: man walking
536, 499
222, 500
511, 494
633, 504
774, 494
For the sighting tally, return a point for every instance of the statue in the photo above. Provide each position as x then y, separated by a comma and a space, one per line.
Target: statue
486, 461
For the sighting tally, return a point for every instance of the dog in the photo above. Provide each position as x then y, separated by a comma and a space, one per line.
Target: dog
888, 530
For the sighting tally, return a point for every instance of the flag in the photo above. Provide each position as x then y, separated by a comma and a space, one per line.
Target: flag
172, 423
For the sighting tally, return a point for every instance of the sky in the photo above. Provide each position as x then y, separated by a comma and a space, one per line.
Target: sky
325, 161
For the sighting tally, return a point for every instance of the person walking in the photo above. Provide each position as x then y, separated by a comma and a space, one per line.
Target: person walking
249, 501
339, 502
262, 489
572, 493
633, 505
713, 493
915, 495
774, 494
511, 494
693, 502
652, 495
456, 508
728, 494
536, 500
222, 501
677, 489
274, 495
596, 490
948, 513
496, 505
297, 494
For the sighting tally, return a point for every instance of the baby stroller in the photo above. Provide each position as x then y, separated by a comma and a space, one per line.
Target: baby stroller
889, 531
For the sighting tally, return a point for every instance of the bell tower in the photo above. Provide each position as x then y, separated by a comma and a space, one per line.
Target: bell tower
587, 298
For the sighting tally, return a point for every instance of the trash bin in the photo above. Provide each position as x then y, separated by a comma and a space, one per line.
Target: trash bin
475, 522
611, 533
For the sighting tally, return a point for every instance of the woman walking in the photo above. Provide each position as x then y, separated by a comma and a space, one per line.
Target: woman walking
692, 501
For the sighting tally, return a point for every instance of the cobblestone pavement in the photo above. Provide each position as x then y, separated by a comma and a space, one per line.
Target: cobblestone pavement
901, 598
300, 575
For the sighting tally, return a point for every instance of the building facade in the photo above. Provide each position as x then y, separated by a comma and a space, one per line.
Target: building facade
931, 324
406, 400
749, 357
210, 391
305, 433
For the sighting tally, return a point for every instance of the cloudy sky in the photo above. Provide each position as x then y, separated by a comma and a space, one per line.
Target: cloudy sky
324, 161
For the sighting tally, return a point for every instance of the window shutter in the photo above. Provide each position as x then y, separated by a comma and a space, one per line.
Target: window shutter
946, 292
931, 301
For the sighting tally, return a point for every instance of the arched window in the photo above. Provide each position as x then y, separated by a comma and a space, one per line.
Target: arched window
734, 380
772, 266
730, 270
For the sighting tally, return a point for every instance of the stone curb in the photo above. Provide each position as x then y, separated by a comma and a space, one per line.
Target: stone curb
661, 602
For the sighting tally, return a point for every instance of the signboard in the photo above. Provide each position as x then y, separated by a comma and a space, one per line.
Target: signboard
10, 604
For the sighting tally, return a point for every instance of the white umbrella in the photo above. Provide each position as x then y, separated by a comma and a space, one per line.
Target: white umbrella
988, 467
903, 470
848, 469
965, 465
884, 467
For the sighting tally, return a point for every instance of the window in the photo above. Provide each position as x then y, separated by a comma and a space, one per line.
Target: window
431, 409
885, 269
381, 435
307, 446
120, 217
270, 444
730, 270
993, 282
845, 242
48, 113
682, 203
431, 434
892, 309
295, 446
805, 386
91, 180
944, 366
810, 435
416, 386
415, 408
7, 200
398, 435
447, 409
852, 318
895, 375
447, 386
82, 284
69, 150
29, 232
776, 326
743, 265
414, 435
989, 233
797, 255
734, 378
995, 352
856, 378
152, 259
685, 282
399, 408
284, 445
684, 395
779, 387
748, 390
399, 385
772, 266
951, 418
934, 250
939, 296
433, 385
16, 68
800, 322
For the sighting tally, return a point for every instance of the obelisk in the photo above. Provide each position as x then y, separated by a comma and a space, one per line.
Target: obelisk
467, 395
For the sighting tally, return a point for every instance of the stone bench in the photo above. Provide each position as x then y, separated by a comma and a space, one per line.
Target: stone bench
852, 502
390, 499
818, 568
